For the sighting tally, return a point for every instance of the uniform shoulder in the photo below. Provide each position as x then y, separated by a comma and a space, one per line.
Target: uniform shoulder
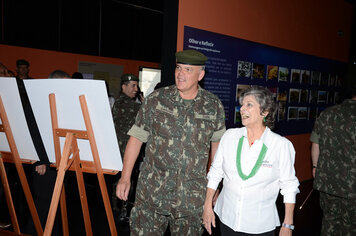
209, 95
165, 91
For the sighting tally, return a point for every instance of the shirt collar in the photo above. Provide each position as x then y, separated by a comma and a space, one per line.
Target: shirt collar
176, 97
264, 137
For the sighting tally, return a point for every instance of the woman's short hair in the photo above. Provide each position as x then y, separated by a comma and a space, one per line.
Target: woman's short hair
265, 99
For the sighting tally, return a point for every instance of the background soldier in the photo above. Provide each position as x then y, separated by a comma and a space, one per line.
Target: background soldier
334, 167
124, 112
179, 123
22, 69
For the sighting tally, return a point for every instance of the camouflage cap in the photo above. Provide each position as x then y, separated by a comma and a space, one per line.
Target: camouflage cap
129, 77
21, 62
191, 57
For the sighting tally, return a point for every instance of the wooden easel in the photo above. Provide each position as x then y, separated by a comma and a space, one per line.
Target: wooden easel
64, 162
14, 157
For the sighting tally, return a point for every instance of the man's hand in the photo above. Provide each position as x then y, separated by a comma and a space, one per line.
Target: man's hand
123, 188
41, 169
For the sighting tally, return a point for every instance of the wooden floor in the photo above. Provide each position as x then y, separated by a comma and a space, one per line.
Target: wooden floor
307, 220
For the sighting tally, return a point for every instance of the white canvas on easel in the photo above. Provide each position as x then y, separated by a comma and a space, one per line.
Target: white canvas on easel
11, 98
67, 92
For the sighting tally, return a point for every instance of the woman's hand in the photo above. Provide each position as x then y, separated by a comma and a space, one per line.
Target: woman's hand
208, 218
285, 232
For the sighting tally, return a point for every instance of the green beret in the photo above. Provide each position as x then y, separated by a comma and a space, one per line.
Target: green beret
21, 62
129, 77
191, 57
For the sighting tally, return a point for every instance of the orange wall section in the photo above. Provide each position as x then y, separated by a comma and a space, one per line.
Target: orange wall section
303, 163
303, 26
43, 62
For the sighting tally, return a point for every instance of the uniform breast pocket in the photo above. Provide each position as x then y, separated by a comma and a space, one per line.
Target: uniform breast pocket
203, 131
165, 122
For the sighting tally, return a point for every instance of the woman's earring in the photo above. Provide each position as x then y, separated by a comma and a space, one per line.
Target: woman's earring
264, 119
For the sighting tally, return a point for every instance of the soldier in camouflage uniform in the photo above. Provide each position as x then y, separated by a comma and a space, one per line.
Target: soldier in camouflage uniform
124, 112
180, 124
334, 167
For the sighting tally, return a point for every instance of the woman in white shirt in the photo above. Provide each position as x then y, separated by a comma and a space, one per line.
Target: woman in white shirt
255, 164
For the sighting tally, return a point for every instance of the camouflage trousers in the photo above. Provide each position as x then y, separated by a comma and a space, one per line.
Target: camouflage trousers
339, 215
149, 223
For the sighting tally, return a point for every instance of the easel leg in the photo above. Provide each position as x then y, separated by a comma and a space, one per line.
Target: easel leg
7, 192
20, 170
64, 213
101, 179
59, 184
81, 188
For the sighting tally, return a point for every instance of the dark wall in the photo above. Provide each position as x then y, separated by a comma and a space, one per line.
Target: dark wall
127, 29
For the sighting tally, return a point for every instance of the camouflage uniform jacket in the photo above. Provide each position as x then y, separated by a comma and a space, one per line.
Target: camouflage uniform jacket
178, 135
124, 112
335, 132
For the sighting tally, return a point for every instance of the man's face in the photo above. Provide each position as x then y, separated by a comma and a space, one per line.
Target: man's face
3, 71
130, 89
187, 77
22, 70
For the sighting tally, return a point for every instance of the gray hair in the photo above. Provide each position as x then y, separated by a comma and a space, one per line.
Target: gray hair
265, 99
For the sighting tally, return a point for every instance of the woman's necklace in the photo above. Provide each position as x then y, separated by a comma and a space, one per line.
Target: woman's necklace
257, 164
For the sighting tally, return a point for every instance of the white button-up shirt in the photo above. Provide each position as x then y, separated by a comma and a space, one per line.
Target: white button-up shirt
249, 205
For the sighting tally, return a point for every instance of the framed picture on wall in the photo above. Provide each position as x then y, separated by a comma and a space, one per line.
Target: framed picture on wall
239, 89
324, 79
294, 95
237, 114
302, 113
283, 74
304, 95
305, 76
295, 76
258, 71
313, 96
281, 110
272, 72
244, 69
322, 96
282, 94
315, 78
292, 113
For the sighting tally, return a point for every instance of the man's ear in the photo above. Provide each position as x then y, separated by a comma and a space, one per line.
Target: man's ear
201, 75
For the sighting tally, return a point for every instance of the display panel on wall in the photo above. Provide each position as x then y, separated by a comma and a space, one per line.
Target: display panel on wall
303, 85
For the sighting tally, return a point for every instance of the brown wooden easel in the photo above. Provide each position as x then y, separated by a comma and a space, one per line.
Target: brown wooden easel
64, 162
14, 157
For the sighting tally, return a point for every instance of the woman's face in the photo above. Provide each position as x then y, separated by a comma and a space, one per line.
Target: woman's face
251, 112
